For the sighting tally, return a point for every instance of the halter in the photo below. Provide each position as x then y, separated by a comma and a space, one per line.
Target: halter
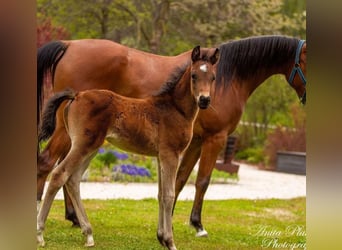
297, 69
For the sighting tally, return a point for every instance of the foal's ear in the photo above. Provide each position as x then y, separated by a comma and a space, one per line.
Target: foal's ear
214, 58
196, 54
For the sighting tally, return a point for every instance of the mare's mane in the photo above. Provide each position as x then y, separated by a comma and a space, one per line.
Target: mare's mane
242, 59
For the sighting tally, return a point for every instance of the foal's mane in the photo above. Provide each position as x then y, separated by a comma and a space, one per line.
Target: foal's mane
173, 80
242, 59
178, 73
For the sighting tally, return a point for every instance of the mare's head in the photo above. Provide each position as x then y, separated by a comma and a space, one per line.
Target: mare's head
203, 74
297, 75
253, 59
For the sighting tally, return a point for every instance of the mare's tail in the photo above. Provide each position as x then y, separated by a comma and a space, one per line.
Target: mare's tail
48, 57
48, 123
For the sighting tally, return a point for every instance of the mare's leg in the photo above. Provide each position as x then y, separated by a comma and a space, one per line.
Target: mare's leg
211, 147
70, 213
160, 230
56, 149
168, 163
73, 190
186, 166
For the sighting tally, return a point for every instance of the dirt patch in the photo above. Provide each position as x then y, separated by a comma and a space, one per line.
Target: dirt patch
280, 213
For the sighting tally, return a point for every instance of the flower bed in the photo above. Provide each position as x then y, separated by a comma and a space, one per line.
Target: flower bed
114, 165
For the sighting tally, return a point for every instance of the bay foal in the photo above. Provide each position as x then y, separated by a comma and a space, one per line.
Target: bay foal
159, 126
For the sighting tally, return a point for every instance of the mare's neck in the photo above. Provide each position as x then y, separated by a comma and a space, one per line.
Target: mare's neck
251, 84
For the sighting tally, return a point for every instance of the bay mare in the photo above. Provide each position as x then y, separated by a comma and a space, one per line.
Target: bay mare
243, 65
160, 126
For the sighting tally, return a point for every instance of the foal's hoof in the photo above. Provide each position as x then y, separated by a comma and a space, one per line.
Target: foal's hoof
161, 239
40, 240
38, 206
202, 233
90, 241
166, 243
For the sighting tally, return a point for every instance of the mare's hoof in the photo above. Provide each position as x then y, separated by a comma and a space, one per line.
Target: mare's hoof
73, 219
202, 233
89, 244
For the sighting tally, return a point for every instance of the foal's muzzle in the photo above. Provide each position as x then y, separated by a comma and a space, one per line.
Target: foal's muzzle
203, 102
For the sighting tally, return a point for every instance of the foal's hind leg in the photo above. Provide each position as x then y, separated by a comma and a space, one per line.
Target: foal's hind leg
59, 177
55, 150
73, 189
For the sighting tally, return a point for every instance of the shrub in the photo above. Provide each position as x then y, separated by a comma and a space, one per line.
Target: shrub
251, 155
107, 157
282, 139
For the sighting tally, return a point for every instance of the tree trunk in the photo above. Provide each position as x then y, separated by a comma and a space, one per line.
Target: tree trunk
160, 18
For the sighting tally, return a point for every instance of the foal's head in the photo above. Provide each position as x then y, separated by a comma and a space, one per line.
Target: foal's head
203, 74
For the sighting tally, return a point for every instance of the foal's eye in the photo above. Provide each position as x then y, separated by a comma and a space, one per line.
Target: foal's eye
193, 76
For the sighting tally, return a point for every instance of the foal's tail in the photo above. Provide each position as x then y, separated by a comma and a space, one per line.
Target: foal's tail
48, 57
48, 124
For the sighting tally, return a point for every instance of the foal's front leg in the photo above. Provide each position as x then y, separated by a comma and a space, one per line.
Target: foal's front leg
167, 166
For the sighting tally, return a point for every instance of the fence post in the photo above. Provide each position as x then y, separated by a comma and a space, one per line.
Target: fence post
229, 153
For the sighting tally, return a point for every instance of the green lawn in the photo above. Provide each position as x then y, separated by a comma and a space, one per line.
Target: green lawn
231, 224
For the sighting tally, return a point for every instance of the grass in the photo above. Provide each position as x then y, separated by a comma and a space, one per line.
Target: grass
231, 224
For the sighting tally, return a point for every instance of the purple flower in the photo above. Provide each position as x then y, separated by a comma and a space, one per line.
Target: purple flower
132, 170
119, 156
101, 150
144, 172
124, 169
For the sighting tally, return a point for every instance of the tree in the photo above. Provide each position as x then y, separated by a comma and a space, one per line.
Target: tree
47, 32
169, 27
150, 18
140, 24
173, 26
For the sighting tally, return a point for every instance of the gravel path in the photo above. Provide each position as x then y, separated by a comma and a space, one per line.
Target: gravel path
252, 184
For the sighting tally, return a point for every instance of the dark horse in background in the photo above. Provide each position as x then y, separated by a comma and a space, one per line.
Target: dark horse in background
243, 65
